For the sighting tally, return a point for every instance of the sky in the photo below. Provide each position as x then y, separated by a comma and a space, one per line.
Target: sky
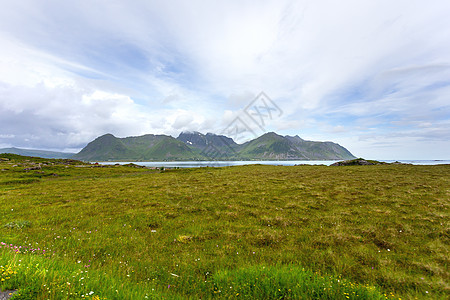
371, 75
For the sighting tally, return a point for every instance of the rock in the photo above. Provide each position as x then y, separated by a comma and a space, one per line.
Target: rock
7, 294
358, 162
33, 168
133, 165
399, 163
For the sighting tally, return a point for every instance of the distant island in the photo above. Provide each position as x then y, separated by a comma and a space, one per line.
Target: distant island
195, 146
37, 153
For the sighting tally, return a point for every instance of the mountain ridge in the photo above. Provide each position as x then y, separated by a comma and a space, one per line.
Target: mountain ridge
196, 146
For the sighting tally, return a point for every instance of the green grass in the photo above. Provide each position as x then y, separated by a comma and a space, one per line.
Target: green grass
42, 277
265, 231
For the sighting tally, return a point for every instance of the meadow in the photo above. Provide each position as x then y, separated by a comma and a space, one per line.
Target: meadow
75, 231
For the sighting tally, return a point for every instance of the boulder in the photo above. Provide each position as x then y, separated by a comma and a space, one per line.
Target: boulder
358, 162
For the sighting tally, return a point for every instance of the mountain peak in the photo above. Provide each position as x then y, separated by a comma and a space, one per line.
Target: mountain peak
107, 135
294, 138
271, 135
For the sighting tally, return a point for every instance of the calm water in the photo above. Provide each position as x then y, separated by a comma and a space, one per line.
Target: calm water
197, 164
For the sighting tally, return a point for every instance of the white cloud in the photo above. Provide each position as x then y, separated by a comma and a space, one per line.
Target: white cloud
182, 121
67, 117
71, 70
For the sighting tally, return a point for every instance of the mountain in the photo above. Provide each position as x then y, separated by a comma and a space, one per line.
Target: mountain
320, 150
105, 147
147, 147
198, 146
274, 146
36, 153
270, 146
210, 145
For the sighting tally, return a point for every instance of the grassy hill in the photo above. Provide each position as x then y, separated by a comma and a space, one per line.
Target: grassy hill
255, 232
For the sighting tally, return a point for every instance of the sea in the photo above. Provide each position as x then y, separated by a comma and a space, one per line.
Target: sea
199, 164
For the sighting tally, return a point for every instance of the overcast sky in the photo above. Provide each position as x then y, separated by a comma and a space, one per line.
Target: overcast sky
373, 76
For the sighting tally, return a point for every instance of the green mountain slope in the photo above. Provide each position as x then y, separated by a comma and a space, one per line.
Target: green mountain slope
270, 146
169, 148
106, 147
274, 146
147, 147
320, 150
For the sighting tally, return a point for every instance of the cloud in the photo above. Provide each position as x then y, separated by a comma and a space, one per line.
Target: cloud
182, 121
71, 70
65, 117
240, 99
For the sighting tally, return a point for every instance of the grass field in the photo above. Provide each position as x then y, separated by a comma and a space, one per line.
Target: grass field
71, 231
